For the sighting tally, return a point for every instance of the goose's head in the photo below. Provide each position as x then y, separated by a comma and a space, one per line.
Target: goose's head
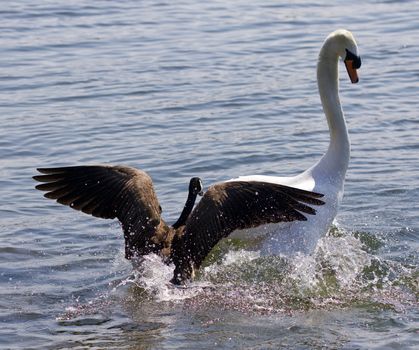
342, 43
195, 186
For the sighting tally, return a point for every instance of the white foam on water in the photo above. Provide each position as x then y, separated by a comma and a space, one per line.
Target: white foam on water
231, 258
154, 275
332, 276
341, 256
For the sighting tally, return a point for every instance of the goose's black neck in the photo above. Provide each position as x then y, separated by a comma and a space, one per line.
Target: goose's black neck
195, 188
186, 210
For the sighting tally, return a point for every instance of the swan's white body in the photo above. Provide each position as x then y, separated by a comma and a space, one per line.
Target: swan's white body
327, 176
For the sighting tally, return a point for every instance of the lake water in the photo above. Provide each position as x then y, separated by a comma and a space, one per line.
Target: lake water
215, 89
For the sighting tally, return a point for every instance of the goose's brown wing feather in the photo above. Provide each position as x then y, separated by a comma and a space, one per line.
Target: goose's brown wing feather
230, 206
109, 192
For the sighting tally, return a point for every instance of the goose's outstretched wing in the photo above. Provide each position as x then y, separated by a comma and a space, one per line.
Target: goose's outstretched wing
235, 205
109, 192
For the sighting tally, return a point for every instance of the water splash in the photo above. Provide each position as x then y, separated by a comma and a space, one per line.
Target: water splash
153, 276
336, 264
343, 271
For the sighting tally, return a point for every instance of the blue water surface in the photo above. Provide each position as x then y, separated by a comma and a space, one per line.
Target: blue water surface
214, 89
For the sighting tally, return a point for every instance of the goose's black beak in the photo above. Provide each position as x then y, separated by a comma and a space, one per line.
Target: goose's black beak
201, 193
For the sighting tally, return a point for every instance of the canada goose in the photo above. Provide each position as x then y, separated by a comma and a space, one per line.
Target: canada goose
128, 194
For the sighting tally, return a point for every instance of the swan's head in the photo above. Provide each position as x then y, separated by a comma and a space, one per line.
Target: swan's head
342, 43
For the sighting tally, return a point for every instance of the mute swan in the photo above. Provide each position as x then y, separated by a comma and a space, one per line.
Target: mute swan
327, 176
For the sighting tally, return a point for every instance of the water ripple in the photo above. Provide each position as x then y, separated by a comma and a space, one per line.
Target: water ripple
211, 89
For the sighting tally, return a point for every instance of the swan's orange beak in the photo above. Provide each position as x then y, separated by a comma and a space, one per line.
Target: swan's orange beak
353, 74
352, 63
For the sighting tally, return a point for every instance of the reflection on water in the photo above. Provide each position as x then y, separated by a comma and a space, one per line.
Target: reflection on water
216, 90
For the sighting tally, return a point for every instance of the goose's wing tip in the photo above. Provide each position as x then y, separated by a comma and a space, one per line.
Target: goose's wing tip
317, 194
38, 187
46, 170
40, 178
317, 201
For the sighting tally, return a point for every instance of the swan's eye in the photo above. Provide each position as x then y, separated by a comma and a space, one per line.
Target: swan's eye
356, 60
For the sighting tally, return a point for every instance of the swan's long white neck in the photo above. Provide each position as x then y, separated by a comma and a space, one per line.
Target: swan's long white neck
336, 159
